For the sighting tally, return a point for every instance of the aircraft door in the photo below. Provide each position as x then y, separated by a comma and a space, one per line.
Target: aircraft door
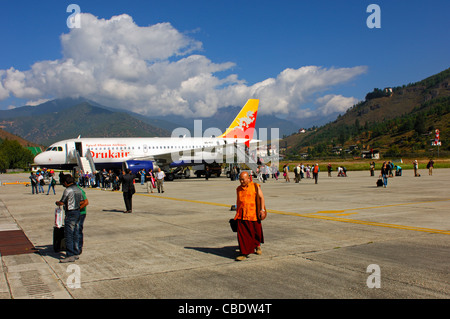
145, 148
79, 148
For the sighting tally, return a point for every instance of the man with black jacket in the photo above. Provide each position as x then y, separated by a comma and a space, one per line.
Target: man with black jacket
127, 180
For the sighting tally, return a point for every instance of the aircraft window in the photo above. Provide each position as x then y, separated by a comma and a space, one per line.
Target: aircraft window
48, 149
60, 149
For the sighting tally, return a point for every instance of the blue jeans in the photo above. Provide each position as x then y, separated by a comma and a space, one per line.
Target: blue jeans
79, 246
51, 186
71, 225
385, 179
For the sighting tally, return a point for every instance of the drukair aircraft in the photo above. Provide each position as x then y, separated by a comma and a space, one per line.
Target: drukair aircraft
137, 153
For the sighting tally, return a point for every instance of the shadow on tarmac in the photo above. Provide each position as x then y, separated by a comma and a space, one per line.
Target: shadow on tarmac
226, 252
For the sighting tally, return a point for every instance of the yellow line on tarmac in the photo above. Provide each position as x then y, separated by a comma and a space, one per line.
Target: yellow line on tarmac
185, 200
337, 219
402, 204
362, 222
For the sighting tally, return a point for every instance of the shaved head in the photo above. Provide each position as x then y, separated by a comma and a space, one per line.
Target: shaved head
244, 179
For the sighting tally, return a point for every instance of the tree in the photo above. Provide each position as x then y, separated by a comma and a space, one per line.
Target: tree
13, 155
419, 125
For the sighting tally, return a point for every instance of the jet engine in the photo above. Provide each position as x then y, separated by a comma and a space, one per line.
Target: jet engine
135, 166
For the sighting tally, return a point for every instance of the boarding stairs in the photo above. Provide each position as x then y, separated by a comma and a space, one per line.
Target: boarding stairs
86, 162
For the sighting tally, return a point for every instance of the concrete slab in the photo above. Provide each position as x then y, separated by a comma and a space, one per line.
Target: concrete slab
320, 240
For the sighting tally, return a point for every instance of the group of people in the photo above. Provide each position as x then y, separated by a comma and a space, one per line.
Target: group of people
75, 201
388, 167
263, 172
154, 180
430, 166
98, 179
37, 181
301, 170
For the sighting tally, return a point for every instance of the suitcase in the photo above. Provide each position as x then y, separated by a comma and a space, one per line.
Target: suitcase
59, 242
379, 182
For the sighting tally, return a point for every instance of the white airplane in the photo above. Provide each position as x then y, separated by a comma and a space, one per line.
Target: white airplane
137, 153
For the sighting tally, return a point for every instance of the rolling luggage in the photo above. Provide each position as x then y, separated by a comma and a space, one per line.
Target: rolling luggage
379, 182
59, 241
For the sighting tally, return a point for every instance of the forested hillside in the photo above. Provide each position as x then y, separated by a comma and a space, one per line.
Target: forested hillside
396, 121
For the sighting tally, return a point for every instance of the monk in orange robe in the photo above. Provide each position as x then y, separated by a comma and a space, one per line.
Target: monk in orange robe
249, 230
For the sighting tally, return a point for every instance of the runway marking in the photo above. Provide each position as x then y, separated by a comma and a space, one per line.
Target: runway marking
185, 200
367, 223
337, 212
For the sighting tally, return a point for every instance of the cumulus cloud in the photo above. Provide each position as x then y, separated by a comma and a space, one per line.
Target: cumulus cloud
157, 70
331, 103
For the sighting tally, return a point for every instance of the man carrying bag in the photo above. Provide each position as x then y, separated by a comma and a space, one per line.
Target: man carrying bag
71, 199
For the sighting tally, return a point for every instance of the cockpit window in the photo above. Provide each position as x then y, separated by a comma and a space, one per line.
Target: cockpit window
54, 149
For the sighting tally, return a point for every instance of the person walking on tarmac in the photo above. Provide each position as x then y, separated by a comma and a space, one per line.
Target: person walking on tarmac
316, 171
128, 190
249, 228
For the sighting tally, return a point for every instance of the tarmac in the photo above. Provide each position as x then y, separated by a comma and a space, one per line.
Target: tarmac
343, 238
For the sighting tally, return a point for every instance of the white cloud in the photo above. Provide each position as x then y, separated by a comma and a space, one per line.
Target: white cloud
331, 103
157, 70
296, 87
37, 102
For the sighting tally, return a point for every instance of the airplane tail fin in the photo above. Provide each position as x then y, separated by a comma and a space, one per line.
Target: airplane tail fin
243, 125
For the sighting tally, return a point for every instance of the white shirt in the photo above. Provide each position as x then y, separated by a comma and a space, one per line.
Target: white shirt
160, 175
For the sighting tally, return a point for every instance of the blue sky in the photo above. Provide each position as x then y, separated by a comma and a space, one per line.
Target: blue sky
301, 58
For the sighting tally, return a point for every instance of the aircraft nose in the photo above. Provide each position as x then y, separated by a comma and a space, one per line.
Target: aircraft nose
42, 158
